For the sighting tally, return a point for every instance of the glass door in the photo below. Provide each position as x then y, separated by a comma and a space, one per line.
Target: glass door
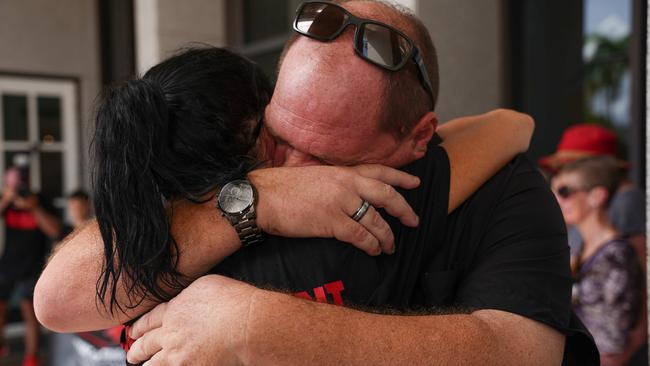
39, 132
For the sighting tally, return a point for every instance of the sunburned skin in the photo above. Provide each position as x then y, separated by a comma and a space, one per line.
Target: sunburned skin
336, 144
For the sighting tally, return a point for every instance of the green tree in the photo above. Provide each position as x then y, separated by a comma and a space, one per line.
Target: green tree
605, 69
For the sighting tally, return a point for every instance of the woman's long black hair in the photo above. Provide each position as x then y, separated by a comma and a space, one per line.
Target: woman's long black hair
182, 130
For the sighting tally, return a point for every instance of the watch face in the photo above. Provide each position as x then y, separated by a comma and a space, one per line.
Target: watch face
236, 196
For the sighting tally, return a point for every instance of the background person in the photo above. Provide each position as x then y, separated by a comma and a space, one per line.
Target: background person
30, 225
79, 208
626, 212
608, 291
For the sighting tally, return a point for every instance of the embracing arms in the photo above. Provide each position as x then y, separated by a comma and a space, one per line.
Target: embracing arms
243, 325
65, 296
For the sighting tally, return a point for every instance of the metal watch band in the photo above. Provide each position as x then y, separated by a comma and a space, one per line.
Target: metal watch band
247, 229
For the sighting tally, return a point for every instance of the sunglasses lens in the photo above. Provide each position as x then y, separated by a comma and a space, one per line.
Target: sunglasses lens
320, 20
564, 192
383, 46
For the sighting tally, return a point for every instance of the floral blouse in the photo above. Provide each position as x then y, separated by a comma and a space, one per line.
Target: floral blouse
608, 294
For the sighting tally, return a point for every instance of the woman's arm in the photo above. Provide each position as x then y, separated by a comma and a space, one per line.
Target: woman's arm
478, 146
65, 296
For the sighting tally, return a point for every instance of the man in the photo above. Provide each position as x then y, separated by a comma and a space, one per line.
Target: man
344, 128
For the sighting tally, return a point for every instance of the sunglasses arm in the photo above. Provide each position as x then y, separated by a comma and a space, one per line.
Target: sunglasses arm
424, 76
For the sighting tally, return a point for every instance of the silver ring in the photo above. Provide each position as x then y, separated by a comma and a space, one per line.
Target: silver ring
361, 211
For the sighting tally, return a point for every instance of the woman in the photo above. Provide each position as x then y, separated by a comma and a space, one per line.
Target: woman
167, 141
609, 288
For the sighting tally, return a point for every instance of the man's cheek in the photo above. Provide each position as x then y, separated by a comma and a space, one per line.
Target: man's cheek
266, 147
280, 155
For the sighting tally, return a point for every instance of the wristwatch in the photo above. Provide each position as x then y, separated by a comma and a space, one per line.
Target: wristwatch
236, 201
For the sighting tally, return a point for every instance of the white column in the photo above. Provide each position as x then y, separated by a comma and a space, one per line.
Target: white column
147, 42
411, 4
164, 26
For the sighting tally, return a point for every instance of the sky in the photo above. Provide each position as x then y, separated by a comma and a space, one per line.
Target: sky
612, 17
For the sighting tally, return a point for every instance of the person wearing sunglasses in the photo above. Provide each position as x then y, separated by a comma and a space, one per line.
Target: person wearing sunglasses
341, 98
333, 106
501, 272
608, 292
207, 78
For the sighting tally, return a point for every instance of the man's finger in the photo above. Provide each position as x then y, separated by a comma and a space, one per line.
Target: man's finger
384, 196
394, 177
145, 347
379, 228
352, 232
158, 359
151, 320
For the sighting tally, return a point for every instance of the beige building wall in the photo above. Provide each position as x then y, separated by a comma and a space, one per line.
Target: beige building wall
470, 40
55, 38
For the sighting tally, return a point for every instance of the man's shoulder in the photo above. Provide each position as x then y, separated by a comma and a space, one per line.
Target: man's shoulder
518, 175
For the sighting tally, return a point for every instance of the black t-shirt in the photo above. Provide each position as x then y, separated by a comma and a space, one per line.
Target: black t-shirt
25, 245
504, 248
327, 270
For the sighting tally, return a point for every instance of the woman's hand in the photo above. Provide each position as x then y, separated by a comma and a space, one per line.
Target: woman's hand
319, 201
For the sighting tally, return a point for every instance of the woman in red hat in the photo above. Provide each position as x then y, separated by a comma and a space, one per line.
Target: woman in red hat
626, 212
608, 293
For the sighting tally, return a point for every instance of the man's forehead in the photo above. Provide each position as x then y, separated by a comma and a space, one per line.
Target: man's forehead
318, 137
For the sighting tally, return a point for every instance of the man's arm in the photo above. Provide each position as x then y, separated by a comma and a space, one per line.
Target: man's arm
246, 325
478, 146
65, 296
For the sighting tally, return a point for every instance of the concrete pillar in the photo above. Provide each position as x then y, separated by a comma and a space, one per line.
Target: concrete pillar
469, 37
163, 26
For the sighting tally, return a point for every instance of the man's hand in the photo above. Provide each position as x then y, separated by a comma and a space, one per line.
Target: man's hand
204, 325
318, 201
220, 321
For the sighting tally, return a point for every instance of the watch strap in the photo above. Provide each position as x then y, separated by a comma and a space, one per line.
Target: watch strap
247, 229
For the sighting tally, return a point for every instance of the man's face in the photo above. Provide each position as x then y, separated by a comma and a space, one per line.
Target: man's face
327, 103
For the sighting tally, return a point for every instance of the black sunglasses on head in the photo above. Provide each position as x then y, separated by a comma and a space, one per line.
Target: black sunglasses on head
375, 42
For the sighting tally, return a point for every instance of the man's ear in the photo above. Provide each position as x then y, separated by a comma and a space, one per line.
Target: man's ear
421, 134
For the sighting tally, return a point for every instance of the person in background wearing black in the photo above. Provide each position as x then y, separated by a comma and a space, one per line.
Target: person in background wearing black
30, 225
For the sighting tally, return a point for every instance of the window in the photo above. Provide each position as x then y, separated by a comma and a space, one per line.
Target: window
260, 28
39, 132
606, 55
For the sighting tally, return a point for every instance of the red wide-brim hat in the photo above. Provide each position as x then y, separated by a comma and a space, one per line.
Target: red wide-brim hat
582, 141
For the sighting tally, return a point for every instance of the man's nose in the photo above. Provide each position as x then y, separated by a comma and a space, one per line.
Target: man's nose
295, 157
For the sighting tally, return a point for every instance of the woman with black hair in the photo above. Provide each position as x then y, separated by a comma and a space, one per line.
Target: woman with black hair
164, 144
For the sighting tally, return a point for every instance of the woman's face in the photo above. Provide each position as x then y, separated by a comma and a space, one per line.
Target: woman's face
572, 197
